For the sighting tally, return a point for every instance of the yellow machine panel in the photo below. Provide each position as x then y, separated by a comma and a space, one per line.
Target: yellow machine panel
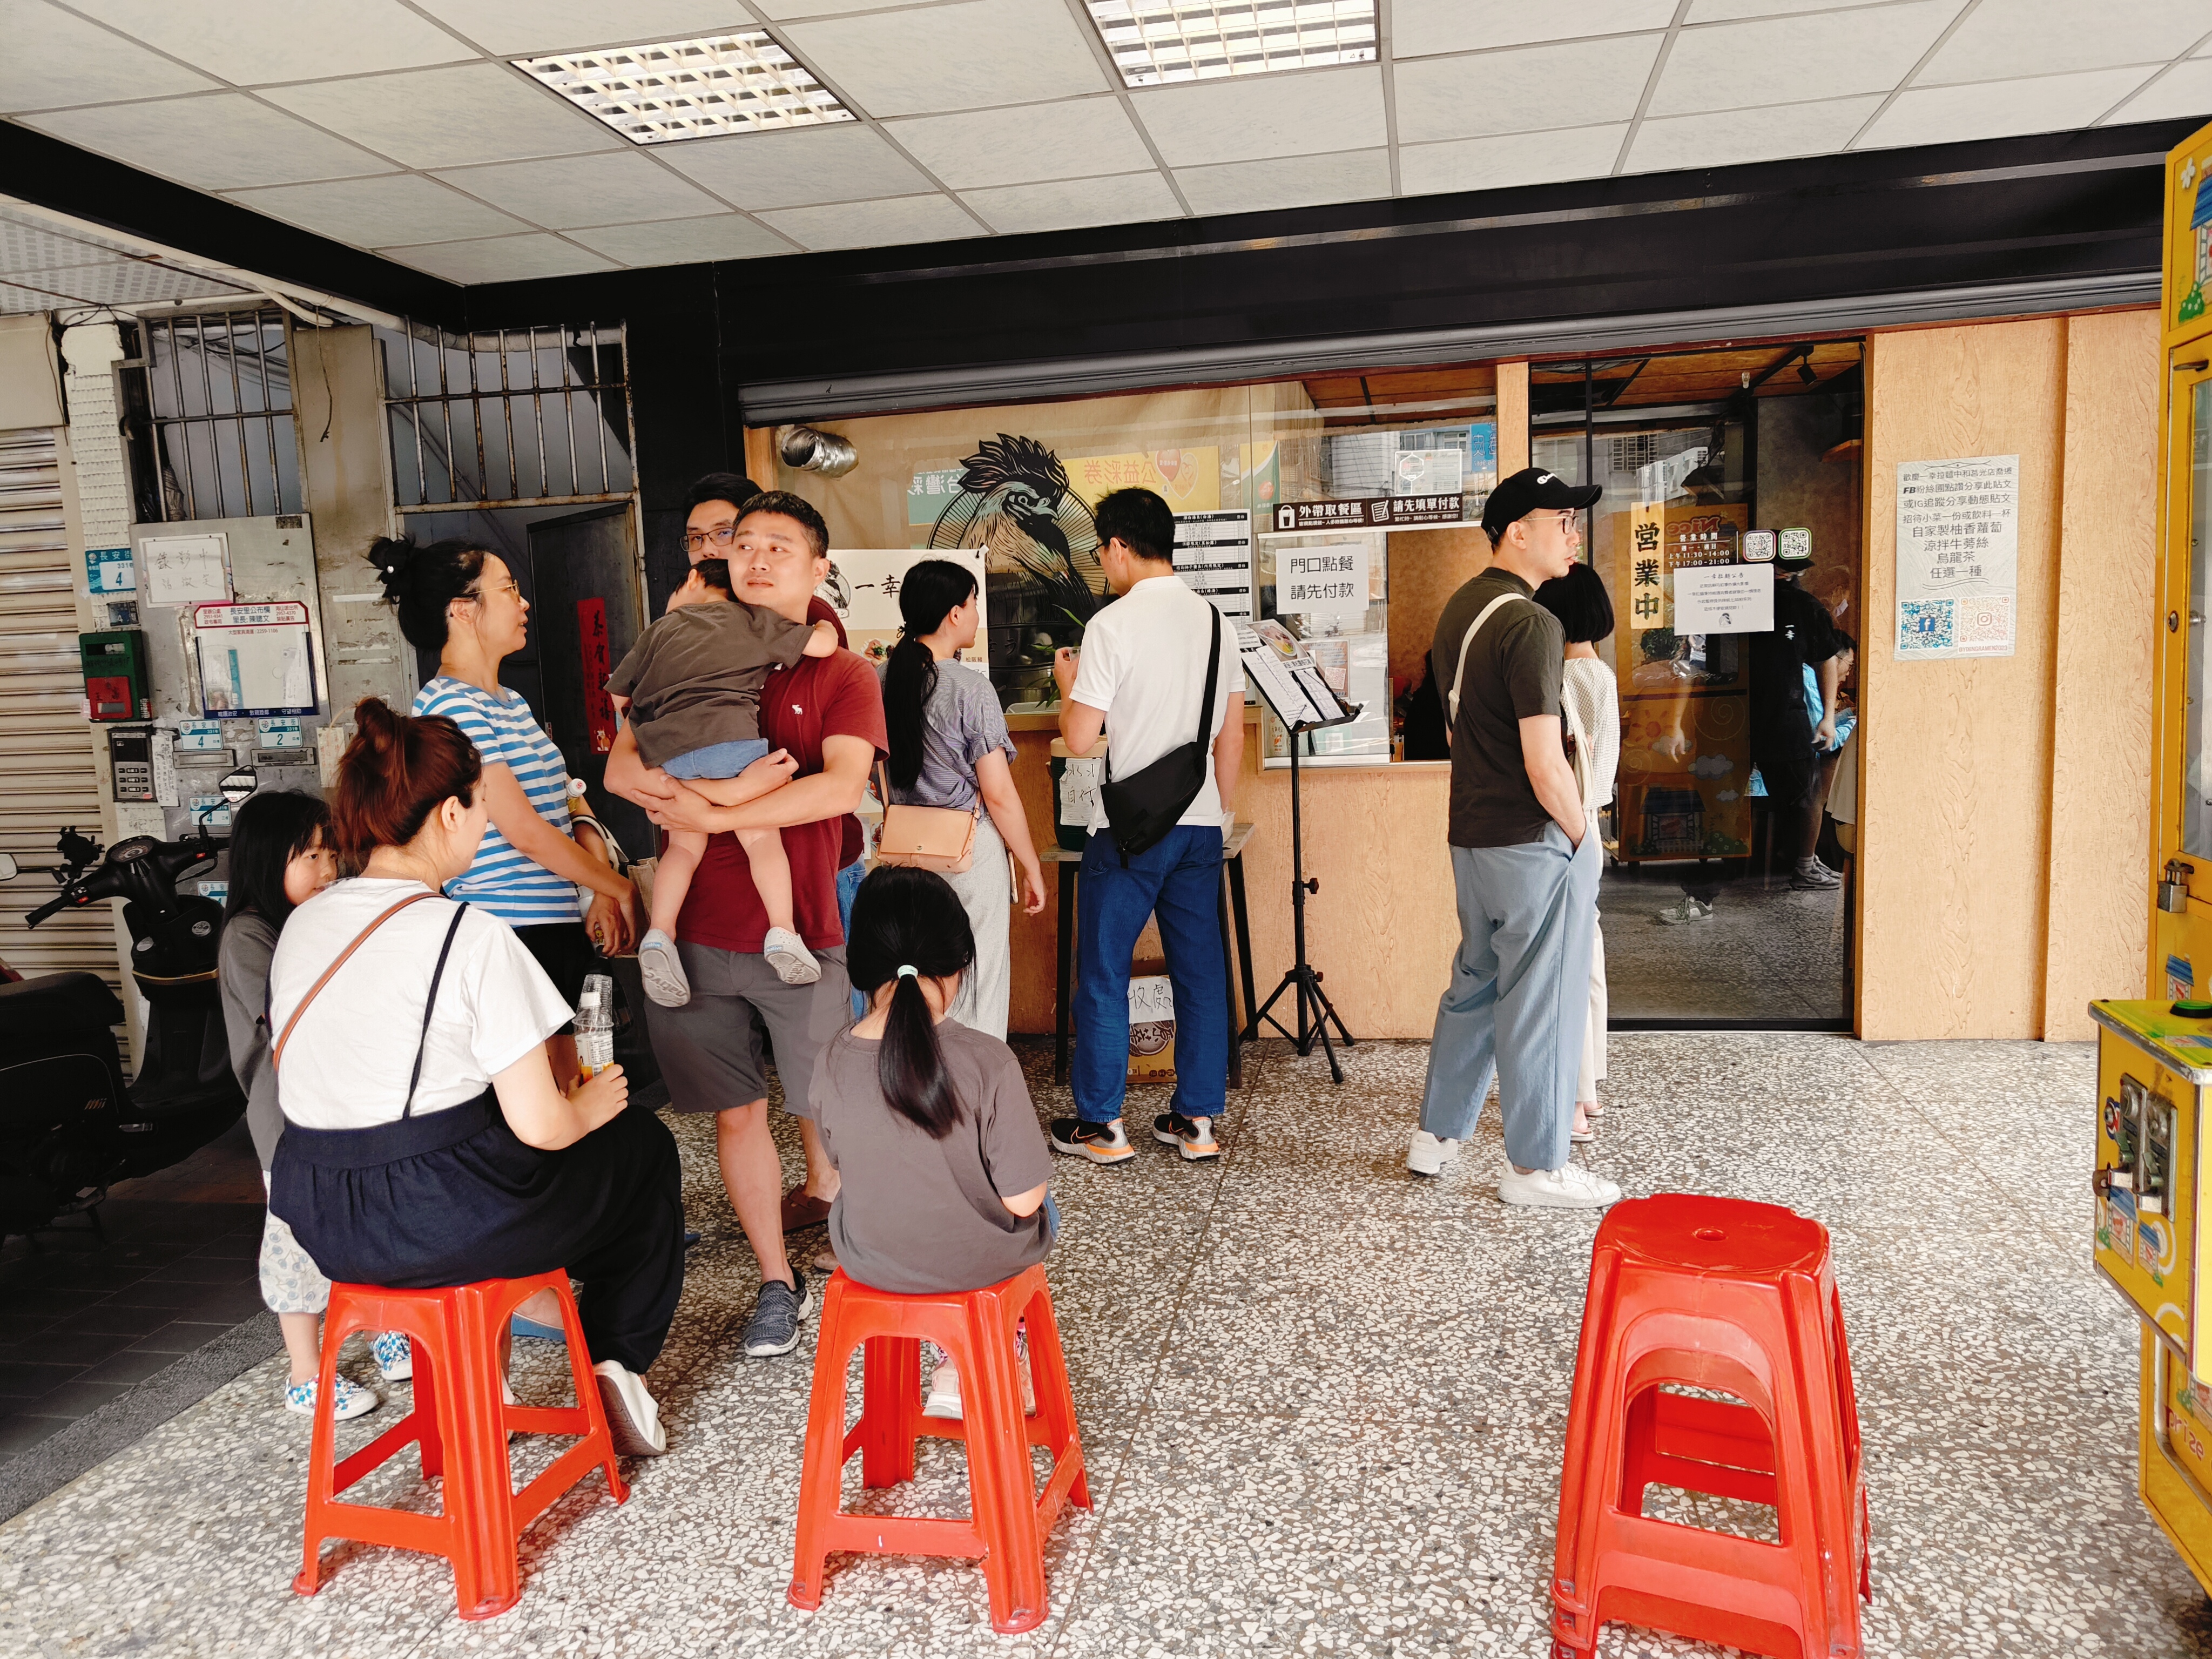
2153, 1067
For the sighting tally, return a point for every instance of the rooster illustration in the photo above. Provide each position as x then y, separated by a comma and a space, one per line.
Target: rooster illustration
1015, 500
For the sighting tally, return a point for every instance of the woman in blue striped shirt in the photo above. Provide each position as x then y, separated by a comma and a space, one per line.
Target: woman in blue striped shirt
462, 602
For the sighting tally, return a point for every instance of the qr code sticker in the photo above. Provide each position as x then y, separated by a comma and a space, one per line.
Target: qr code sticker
1924, 625
1985, 621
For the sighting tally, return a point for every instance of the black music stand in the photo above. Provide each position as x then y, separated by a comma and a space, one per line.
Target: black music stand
1314, 1011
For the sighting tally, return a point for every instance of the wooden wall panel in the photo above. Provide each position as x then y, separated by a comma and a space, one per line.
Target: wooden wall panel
1954, 828
2102, 715
1427, 566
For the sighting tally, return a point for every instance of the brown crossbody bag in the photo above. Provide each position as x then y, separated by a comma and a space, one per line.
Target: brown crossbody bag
939, 838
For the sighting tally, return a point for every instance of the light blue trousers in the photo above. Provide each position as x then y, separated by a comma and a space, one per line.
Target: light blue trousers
1519, 993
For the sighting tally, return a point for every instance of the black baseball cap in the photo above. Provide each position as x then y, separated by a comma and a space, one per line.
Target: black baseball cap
1531, 489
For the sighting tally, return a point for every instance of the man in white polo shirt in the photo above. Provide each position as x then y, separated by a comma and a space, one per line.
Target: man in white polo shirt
1142, 678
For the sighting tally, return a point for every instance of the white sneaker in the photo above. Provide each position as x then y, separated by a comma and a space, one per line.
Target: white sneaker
1428, 1155
788, 954
633, 1415
1689, 910
944, 1394
662, 969
349, 1400
1570, 1186
1813, 876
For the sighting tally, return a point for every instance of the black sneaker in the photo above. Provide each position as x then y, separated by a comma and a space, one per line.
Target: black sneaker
1102, 1143
774, 1327
1193, 1136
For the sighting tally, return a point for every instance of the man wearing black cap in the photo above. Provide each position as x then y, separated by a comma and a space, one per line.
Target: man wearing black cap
1525, 860
1784, 745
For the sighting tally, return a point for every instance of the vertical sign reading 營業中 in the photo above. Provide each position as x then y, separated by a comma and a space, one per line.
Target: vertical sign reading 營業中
1957, 557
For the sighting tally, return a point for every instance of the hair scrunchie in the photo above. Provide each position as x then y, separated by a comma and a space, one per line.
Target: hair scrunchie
906, 970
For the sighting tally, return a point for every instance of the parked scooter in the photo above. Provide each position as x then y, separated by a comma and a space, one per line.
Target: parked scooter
69, 1126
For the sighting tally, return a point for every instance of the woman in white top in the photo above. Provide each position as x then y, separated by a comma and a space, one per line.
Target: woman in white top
1589, 697
426, 1141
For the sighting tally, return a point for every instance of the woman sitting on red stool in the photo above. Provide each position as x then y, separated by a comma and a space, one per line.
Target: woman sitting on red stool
426, 1141
942, 1167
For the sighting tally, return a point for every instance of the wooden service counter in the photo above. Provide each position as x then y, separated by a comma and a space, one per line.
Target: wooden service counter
1382, 928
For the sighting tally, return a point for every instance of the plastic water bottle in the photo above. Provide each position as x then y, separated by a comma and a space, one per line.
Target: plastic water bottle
595, 1025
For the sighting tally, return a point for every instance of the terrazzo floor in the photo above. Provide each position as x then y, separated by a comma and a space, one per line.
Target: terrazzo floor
1323, 1405
1767, 953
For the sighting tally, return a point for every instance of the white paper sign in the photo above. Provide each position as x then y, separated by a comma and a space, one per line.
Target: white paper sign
863, 588
1724, 598
1957, 557
186, 570
1213, 556
1079, 788
1328, 580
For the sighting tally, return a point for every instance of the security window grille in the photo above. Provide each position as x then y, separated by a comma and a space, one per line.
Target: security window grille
519, 416
211, 408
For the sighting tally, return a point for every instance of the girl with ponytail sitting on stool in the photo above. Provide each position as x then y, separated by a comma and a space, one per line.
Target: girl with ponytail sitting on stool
941, 1164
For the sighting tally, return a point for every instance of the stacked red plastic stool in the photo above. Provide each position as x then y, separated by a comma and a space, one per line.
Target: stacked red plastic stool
1009, 1520
461, 1422
1727, 1298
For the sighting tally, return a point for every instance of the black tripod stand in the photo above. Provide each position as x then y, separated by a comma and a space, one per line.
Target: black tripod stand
1314, 1012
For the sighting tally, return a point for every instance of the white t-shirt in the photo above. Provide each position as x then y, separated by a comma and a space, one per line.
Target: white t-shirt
1144, 665
347, 1065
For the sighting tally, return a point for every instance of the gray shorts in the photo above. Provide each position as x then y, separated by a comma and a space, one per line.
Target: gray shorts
709, 1049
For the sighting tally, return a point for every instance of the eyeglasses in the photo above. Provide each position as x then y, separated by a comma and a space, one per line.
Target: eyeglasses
504, 588
720, 536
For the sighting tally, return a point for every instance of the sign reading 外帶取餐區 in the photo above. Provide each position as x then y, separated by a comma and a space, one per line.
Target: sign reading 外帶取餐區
1369, 512
1957, 557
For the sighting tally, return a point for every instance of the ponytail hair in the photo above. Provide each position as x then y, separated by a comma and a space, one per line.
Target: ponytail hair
420, 582
929, 591
397, 771
907, 924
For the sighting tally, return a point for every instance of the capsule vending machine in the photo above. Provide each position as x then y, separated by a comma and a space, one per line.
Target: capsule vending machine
2154, 1056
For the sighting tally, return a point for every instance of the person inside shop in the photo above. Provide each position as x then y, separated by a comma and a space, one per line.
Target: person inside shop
462, 602
426, 1141
825, 717
691, 690
1788, 742
281, 856
1589, 698
950, 749
1525, 860
1153, 663
929, 1120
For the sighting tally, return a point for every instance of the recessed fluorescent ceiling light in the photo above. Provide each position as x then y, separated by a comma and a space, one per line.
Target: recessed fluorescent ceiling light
1159, 42
738, 82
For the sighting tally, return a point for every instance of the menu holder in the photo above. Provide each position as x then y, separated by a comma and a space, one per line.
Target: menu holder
1284, 672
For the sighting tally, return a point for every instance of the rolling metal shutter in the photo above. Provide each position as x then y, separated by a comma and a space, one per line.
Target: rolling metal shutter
47, 775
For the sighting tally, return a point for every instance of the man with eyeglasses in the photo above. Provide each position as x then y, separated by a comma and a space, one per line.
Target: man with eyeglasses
1525, 860
825, 717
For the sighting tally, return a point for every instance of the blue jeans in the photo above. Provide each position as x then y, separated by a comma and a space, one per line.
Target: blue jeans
1179, 881
716, 760
848, 883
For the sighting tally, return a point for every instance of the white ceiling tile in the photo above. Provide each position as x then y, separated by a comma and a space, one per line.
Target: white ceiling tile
876, 224
397, 210
685, 241
616, 188
2183, 91
1073, 204
1716, 11
1797, 59
221, 141
1066, 140
250, 42
1724, 138
445, 118
1419, 28
947, 57
530, 28
1290, 181
2002, 109
55, 61
2005, 38
799, 168
1512, 158
1311, 113
782, 10
1524, 90
501, 259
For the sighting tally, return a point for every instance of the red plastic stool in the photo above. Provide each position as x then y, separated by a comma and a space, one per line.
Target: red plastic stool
1736, 1298
461, 1422
1009, 1520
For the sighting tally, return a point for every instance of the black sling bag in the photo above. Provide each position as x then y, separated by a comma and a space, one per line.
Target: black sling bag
1141, 808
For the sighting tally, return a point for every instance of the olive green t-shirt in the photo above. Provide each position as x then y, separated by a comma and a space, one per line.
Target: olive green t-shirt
694, 678
915, 1216
1513, 673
